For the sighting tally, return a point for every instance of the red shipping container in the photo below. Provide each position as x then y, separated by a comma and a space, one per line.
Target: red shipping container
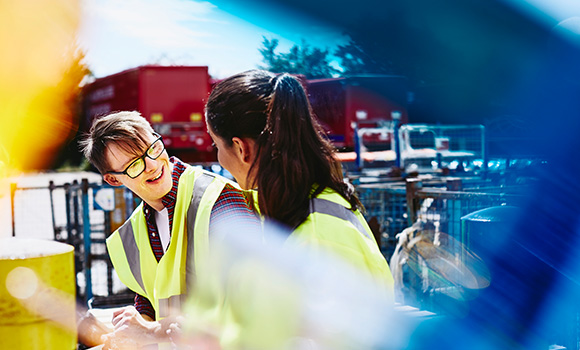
172, 98
367, 101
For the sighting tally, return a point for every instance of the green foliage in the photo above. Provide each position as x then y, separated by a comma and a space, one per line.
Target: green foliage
274, 62
315, 63
354, 61
310, 61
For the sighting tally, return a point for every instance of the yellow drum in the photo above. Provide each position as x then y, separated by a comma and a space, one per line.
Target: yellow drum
37, 295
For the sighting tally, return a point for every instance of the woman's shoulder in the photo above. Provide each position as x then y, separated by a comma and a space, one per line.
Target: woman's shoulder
332, 195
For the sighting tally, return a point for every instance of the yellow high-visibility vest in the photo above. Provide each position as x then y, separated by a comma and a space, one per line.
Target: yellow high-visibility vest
165, 282
332, 226
260, 308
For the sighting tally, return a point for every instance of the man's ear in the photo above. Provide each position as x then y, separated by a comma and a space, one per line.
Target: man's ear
244, 149
112, 180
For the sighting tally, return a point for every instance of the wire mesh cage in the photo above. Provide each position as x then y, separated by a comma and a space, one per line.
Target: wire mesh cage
70, 213
427, 147
386, 212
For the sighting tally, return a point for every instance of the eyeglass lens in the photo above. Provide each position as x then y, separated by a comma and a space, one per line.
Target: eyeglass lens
153, 152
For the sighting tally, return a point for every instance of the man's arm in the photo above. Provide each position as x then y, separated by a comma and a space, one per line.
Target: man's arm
232, 207
144, 307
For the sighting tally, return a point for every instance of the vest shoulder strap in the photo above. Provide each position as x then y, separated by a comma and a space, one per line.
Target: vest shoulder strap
328, 207
202, 183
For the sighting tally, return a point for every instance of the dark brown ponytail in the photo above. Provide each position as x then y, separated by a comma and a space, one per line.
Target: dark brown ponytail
294, 160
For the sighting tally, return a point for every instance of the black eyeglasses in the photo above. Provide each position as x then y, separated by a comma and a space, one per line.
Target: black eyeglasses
137, 167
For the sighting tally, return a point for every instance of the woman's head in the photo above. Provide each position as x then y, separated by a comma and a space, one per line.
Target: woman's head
237, 106
236, 115
268, 139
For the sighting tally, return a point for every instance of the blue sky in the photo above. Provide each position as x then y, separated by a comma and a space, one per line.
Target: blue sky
122, 34
118, 35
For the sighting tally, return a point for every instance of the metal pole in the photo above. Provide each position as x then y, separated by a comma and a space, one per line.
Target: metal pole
69, 234
50, 190
357, 149
75, 211
107, 259
87, 238
412, 186
396, 116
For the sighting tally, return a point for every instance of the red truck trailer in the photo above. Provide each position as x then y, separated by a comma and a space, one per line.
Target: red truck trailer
172, 98
367, 101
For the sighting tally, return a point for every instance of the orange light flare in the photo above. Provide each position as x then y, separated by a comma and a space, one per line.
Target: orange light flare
40, 72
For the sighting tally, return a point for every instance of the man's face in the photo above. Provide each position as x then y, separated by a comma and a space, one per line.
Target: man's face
152, 184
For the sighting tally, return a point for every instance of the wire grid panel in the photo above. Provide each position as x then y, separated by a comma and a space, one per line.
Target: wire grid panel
425, 144
33, 213
59, 202
445, 210
441, 211
101, 285
104, 279
477, 184
457, 138
389, 206
73, 224
42, 213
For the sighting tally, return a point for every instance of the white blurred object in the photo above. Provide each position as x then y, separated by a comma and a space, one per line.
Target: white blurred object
279, 296
441, 262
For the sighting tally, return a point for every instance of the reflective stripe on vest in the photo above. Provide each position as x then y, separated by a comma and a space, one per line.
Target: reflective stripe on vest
199, 188
172, 305
132, 252
126, 232
324, 206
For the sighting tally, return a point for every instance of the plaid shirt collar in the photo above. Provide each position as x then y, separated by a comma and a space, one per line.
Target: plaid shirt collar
170, 198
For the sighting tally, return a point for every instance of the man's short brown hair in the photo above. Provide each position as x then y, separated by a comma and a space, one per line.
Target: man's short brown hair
127, 129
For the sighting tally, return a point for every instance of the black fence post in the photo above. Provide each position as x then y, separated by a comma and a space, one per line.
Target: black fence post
75, 209
412, 186
69, 233
50, 194
107, 230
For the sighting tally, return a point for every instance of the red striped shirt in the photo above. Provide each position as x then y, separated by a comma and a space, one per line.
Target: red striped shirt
231, 204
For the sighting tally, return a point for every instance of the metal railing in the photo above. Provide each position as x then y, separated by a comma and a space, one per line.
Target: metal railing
68, 213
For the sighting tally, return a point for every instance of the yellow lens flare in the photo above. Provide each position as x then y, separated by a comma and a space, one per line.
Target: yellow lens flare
40, 72
21, 282
37, 295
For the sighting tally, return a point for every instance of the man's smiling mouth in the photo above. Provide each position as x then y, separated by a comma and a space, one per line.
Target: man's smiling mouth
157, 177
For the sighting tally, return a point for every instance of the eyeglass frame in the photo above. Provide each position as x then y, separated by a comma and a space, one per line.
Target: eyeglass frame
146, 154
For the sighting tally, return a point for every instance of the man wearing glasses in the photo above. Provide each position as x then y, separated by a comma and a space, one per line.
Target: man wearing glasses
153, 252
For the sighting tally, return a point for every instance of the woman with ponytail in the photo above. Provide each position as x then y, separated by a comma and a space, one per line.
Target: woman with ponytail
268, 139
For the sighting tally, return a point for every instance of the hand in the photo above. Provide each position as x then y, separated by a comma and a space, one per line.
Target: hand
199, 342
172, 327
132, 330
112, 342
90, 329
198, 339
